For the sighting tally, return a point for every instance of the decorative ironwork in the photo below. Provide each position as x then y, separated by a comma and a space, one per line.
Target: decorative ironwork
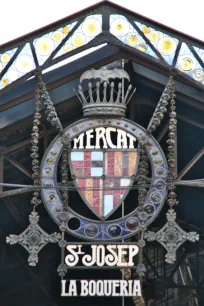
33, 239
21, 59
171, 236
36, 200
94, 105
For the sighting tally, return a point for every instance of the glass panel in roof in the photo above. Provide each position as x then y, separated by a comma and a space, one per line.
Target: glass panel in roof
122, 29
6, 57
47, 43
23, 64
165, 44
200, 53
89, 29
187, 63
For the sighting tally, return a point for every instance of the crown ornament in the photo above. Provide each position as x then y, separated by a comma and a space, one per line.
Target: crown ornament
105, 97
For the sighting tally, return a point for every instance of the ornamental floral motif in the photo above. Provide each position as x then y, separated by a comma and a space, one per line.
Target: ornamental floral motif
171, 236
33, 239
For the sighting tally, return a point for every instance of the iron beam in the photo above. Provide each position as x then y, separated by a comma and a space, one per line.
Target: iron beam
190, 164
18, 166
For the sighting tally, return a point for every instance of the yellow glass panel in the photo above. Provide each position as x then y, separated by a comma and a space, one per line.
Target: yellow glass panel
146, 30
4, 82
166, 45
142, 47
24, 63
133, 39
57, 36
5, 58
44, 46
65, 30
153, 36
119, 27
12, 75
78, 40
91, 27
67, 48
186, 63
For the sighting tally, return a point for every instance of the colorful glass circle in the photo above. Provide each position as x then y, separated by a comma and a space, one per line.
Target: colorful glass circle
186, 63
24, 63
12, 75
91, 230
132, 39
44, 45
167, 45
198, 74
91, 27
132, 224
114, 230
78, 40
119, 27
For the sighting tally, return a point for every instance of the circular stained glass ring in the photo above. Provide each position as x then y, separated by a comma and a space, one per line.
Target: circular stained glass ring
119, 27
132, 224
91, 230
91, 27
24, 63
57, 36
132, 39
198, 74
12, 75
167, 45
78, 40
5, 58
73, 223
44, 46
149, 209
153, 36
186, 63
114, 230
142, 47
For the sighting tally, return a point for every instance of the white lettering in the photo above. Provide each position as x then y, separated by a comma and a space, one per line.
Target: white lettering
103, 139
84, 288
136, 288
121, 254
100, 134
88, 139
80, 141
122, 140
108, 137
132, 140
72, 288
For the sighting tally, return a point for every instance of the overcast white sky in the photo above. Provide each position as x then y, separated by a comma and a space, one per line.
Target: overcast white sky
19, 17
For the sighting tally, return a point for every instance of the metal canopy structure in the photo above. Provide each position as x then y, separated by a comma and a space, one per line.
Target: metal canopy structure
149, 60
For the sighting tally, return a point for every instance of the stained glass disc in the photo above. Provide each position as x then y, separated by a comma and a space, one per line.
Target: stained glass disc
153, 36
167, 45
132, 39
187, 63
24, 63
91, 27
44, 45
78, 40
12, 75
119, 27
5, 58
